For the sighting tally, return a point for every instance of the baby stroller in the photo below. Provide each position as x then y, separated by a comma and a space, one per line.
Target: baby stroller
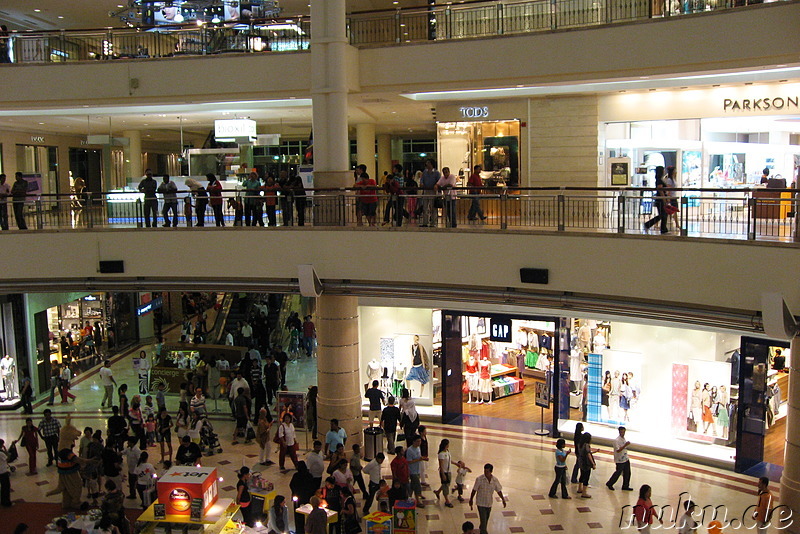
209, 441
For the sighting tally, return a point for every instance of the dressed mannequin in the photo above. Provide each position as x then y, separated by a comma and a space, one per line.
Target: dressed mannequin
400, 369
472, 380
419, 366
600, 342
584, 337
9, 374
373, 371
485, 380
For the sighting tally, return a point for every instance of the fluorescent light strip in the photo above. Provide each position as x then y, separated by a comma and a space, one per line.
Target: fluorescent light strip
168, 109
678, 81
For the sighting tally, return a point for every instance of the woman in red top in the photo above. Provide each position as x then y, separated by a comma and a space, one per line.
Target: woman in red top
215, 198
270, 200
28, 436
367, 197
644, 511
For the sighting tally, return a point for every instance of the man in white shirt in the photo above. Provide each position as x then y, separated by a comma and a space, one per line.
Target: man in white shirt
622, 462
107, 378
315, 462
482, 495
247, 334
373, 469
229, 338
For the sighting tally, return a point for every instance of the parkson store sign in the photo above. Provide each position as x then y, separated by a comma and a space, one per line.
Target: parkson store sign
762, 104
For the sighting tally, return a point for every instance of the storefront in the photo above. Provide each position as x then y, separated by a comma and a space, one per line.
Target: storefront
490, 135
13, 360
719, 137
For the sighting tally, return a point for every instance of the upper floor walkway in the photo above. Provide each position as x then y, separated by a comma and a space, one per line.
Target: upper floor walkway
381, 28
699, 279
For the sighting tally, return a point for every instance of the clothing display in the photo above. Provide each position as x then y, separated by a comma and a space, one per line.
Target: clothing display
9, 375
507, 385
419, 373
373, 370
472, 375
484, 376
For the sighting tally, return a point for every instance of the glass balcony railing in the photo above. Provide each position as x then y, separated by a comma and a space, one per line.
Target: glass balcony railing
382, 28
745, 214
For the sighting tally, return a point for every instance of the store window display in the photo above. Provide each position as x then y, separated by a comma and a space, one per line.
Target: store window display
8, 373
420, 365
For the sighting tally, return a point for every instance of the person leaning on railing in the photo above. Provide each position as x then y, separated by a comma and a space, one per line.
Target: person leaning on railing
149, 186
5, 191
215, 198
19, 192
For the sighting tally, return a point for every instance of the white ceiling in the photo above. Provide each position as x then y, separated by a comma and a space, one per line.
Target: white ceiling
85, 14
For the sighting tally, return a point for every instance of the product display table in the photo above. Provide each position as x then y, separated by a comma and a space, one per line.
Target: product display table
219, 517
333, 517
81, 522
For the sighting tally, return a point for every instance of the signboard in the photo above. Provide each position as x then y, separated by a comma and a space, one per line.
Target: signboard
182, 489
292, 402
306, 173
474, 112
159, 511
542, 398
154, 304
196, 510
620, 170
500, 330
232, 129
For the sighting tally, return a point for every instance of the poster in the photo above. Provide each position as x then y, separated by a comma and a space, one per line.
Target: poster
292, 402
620, 170
542, 394
708, 399
620, 384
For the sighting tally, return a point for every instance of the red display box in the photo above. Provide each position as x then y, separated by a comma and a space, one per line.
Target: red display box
180, 485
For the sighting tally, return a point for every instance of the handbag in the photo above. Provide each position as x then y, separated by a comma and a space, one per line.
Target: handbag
691, 424
670, 208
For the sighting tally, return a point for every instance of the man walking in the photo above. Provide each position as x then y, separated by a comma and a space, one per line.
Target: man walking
170, 192
430, 177
389, 419
107, 377
622, 461
149, 186
485, 486
475, 184
49, 428
414, 457
376, 401
373, 469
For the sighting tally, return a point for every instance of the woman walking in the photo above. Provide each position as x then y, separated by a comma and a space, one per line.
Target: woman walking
262, 437
288, 443
644, 511
28, 438
577, 437
164, 433
444, 472
587, 463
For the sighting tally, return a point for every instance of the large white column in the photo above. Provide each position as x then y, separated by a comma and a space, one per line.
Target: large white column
330, 58
133, 155
790, 480
384, 154
365, 148
337, 366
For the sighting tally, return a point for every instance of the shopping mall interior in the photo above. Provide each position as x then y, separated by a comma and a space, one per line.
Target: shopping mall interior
557, 309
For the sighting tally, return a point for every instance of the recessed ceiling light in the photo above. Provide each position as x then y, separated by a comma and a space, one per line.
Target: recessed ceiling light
37, 10
41, 124
61, 16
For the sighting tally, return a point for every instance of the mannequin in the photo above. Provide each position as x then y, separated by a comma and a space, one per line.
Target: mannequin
584, 337
485, 380
419, 366
373, 371
8, 373
600, 342
472, 379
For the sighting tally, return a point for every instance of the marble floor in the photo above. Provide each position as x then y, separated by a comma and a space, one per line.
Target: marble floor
523, 464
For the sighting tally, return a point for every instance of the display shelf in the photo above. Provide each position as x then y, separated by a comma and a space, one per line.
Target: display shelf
503, 370
533, 373
498, 389
222, 508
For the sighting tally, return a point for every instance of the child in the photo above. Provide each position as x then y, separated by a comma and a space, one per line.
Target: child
461, 473
383, 497
235, 203
150, 430
148, 408
161, 400
687, 524
86, 439
561, 471
132, 454
187, 210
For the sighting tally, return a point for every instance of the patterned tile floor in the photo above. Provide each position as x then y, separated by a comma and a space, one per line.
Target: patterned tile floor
523, 464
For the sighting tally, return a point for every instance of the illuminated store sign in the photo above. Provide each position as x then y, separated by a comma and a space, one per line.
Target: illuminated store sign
500, 330
474, 112
233, 129
761, 104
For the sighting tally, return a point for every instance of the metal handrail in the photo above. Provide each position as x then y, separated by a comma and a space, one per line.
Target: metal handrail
704, 213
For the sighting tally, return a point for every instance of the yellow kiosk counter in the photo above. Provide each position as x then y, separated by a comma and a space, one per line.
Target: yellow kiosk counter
219, 519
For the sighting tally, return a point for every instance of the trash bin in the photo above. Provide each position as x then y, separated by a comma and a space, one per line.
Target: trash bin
373, 442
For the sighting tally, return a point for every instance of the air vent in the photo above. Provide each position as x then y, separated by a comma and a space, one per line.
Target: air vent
375, 101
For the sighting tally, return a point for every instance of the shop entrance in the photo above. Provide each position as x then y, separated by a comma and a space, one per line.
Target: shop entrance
42, 161
499, 366
87, 164
493, 144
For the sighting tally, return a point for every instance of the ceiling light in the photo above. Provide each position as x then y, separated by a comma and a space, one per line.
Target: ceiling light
37, 10
178, 17
215, 20
61, 16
